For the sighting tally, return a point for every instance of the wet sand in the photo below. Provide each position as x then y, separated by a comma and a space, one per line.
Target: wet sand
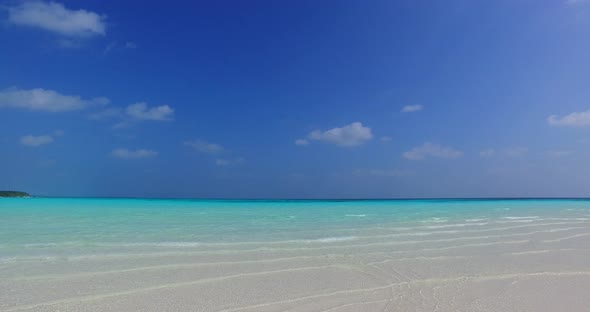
505, 264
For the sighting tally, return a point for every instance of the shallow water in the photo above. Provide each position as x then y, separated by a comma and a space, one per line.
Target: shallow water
124, 248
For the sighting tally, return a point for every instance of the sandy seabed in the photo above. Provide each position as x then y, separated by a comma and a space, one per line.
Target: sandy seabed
519, 264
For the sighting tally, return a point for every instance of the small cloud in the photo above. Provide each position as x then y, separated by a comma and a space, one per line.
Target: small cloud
42, 100
350, 135
140, 111
433, 150
222, 162
133, 114
385, 139
487, 152
204, 146
130, 154
212, 148
412, 108
576, 119
35, 141
122, 124
130, 45
301, 142
382, 172
228, 162
112, 46
56, 18
559, 153
516, 151
575, 2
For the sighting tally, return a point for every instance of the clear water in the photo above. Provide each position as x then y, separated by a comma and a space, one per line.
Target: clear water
65, 227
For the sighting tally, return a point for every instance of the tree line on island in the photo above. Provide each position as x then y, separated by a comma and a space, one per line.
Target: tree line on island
13, 194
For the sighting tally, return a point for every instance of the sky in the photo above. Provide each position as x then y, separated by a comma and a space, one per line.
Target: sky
295, 99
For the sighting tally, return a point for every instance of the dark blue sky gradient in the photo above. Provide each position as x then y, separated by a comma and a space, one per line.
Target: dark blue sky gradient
254, 76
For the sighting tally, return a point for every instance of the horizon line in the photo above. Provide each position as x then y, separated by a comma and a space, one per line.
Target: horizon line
321, 198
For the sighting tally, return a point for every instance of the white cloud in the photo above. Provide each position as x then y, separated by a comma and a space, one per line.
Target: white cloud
45, 100
133, 114
412, 108
119, 46
204, 146
301, 142
576, 119
559, 153
35, 141
110, 47
574, 2
133, 154
228, 162
516, 151
212, 148
55, 17
122, 124
141, 111
222, 162
433, 150
350, 135
487, 152
382, 172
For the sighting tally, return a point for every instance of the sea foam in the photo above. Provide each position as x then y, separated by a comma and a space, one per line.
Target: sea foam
332, 239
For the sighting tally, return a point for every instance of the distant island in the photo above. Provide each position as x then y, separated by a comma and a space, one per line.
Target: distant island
13, 194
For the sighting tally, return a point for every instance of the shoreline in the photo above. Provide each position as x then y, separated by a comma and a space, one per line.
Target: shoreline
158, 256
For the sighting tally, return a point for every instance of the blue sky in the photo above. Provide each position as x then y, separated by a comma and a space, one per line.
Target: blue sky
298, 99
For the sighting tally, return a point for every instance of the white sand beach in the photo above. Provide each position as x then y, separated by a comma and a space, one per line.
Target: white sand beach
501, 265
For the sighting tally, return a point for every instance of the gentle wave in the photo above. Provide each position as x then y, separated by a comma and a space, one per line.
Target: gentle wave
356, 215
40, 245
435, 220
519, 221
15, 259
568, 219
519, 218
455, 225
164, 244
331, 239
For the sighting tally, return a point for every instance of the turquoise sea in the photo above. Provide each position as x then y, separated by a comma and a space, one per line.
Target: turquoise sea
91, 254
32, 228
